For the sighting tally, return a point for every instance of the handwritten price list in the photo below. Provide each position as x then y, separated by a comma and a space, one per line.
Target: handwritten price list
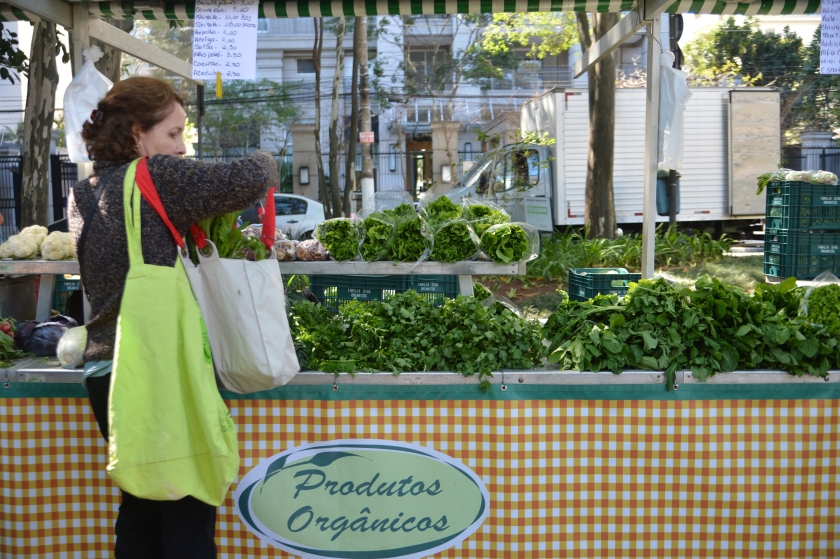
830, 43
225, 39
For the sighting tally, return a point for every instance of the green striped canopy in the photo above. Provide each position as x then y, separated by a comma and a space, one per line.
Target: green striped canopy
315, 8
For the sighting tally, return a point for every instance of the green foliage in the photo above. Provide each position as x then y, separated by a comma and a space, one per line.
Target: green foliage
824, 307
480, 292
441, 210
13, 61
407, 333
454, 241
340, 236
409, 242
377, 232
505, 244
571, 249
481, 217
713, 328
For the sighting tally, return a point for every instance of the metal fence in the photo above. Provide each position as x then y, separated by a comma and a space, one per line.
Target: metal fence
63, 176
11, 171
798, 158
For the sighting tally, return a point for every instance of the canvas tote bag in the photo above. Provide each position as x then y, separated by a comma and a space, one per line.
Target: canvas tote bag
170, 433
244, 307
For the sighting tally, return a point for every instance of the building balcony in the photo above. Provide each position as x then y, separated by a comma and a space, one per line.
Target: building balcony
429, 26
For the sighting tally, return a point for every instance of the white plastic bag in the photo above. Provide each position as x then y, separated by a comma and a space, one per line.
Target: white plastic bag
71, 347
81, 98
673, 95
244, 308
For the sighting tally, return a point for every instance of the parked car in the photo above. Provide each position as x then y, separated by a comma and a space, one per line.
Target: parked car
297, 216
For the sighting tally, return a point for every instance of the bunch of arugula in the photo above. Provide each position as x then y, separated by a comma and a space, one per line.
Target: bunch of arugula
340, 236
453, 242
505, 243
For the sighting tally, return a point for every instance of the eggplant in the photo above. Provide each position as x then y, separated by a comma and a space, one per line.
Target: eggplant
44, 339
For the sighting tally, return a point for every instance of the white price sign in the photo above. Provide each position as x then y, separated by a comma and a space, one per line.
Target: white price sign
366, 137
830, 41
225, 39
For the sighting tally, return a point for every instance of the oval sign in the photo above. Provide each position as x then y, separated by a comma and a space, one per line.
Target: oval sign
362, 498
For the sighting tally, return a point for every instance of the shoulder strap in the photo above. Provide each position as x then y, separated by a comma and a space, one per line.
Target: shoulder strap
86, 225
150, 193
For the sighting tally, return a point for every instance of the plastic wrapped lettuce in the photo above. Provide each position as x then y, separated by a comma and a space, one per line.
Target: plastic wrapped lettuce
377, 232
511, 242
454, 241
482, 215
340, 236
439, 211
412, 240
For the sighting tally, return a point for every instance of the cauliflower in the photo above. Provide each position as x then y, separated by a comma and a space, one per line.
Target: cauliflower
58, 246
19, 247
37, 232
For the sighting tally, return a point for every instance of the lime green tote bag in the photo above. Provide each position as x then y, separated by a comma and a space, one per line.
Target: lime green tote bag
170, 433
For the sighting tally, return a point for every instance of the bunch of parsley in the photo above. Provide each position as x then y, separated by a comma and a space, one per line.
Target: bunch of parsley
340, 236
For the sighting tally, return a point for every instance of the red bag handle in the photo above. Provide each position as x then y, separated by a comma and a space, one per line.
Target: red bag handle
269, 222
150, 193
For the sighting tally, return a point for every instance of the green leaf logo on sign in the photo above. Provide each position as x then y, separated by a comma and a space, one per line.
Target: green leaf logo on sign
362, 498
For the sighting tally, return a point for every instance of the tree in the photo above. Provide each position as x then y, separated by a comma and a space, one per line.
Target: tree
249, 111
335, 140
38, 123
350, 161
317, 49
600, 198
111, 62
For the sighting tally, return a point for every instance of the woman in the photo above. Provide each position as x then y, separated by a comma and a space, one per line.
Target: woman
144, 117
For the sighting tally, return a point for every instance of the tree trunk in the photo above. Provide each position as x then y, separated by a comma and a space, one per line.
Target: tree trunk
350, 163
364, 115
317, 49
335, 140
38, 124
600, 198
110, 63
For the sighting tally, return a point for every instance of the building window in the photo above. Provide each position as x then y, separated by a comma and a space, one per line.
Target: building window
392, 158
418, 115
468, 154
262, 25
429, 70
305, 66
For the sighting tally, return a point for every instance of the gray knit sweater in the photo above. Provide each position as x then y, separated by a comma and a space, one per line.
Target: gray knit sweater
190, 191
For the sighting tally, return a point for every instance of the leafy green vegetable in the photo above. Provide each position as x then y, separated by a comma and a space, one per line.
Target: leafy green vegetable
505, 244
377, 232
340, 236
403, 210
481, 217
763, 180
824, 307
229, 240
409, 242
480, 292
441, 210
454, 242
407, 333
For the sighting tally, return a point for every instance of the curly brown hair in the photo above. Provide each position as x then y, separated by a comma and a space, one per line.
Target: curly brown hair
134, 101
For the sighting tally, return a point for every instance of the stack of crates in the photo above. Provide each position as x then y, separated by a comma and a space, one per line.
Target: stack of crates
333, 291
802, 235
586, 283
64, 287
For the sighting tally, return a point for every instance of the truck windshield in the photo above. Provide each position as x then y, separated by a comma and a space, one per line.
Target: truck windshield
517, 169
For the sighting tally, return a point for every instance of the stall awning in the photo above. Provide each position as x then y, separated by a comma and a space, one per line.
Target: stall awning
315, 8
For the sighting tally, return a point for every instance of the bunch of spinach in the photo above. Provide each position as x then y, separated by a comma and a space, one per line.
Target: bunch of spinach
505, 243
377, 231
340, 236
481, 217
453, 242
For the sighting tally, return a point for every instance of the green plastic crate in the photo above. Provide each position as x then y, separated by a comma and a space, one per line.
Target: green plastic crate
586, 283
61, 292
800, 254
333, 291
802, 206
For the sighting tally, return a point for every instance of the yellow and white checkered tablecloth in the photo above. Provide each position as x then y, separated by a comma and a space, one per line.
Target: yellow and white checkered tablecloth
625, 478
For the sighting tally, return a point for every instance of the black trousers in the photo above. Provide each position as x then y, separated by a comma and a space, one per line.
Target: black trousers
148, 529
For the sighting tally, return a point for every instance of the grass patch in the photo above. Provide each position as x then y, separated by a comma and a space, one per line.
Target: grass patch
742, 271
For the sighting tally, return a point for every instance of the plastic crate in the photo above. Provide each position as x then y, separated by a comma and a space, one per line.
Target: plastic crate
62, 289
800, 254
586, 283
333, 291
801, 206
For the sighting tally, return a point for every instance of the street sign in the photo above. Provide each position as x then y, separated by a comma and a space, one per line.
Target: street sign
365, 137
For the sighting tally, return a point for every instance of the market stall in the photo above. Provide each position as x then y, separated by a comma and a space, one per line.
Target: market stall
553, 463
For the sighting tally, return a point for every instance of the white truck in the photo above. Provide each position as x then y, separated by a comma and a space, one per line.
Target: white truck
731, 137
